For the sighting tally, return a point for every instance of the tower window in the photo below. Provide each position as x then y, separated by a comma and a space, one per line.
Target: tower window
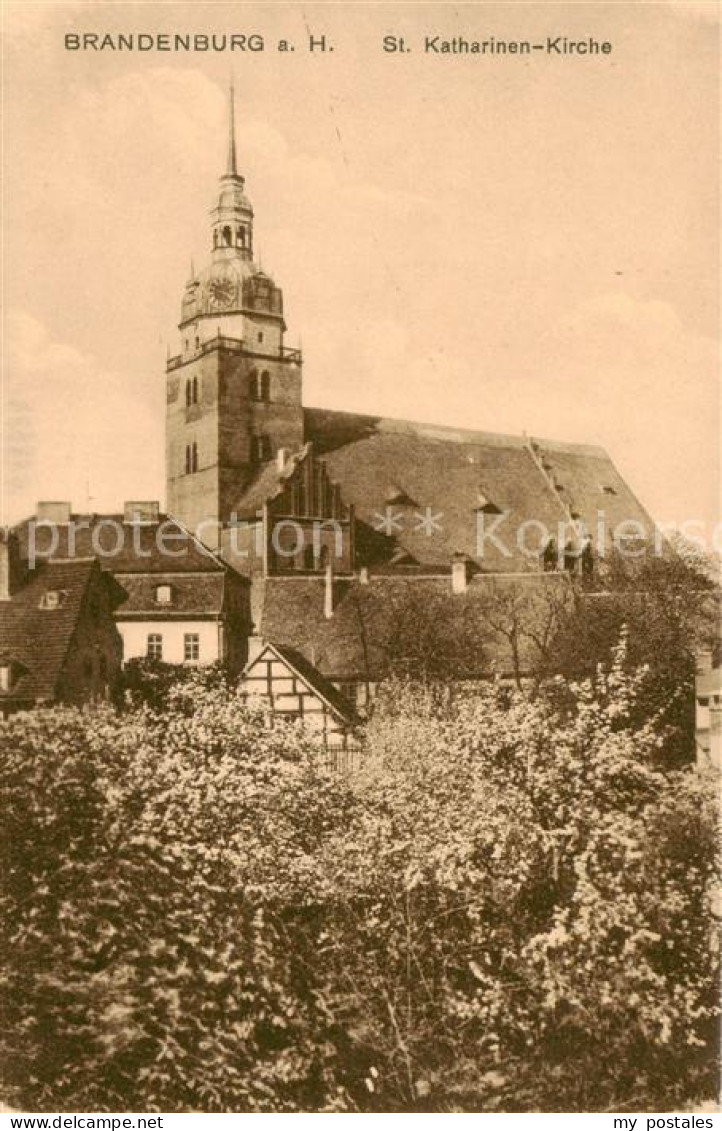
260, 448
227, 237
265, 386
309, 561
188, 459
154, 647
260, 335
215, 238
194, 457
163, 594
241, 237
253, 386
195, 390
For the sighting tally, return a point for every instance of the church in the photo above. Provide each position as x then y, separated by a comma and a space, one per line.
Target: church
325, 550
322, 509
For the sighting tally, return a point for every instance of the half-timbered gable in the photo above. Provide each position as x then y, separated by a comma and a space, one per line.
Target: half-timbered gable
284, 681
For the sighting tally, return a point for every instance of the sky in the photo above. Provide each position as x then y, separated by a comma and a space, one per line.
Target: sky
504, 243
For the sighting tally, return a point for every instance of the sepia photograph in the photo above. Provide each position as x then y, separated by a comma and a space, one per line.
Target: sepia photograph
360, 560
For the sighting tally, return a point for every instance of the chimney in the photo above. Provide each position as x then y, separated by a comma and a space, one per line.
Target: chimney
363, 575
12, 567
255, 647
141, 512
703, 660
328, 592
459, 573
281, 458
55, 513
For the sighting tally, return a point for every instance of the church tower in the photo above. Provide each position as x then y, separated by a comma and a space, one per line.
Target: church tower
234, 389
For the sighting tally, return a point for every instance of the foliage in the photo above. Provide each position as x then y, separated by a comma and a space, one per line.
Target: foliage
506, 909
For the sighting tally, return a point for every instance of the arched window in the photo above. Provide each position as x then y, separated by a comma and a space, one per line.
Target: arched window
189, 393
323, 557
253, 386
227, 236
241, 237
215, 238
188, 459
194, 455
265, 385
308, 558
195, 390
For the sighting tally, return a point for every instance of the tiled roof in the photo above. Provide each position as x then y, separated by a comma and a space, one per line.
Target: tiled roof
158, 547
192, 594
38, 638
357, 642
452, 475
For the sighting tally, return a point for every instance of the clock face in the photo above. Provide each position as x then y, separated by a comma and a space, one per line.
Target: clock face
223, 288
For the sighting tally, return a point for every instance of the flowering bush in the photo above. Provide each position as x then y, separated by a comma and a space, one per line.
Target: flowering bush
507, 908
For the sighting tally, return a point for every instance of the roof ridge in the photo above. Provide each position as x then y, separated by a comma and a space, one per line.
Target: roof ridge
401, 424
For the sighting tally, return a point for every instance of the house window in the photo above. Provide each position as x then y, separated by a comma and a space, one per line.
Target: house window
53, 599
103, 668
191, 647
260, 335
188, 459
154, 650
88, 668
163, 594
194, 456
5, 677
195, 390
265, 386
189, 391
308, 557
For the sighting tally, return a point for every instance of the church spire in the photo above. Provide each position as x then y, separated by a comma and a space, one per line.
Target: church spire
232, 170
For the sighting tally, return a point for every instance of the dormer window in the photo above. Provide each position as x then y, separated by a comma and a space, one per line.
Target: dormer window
397, 496
163, 594
53, 598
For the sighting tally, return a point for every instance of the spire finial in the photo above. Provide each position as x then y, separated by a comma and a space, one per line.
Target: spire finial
232, 170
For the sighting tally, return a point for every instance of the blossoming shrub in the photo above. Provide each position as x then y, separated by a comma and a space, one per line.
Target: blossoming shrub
507, 908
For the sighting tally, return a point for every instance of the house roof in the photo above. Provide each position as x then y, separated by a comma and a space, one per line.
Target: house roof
451, 476
158, 547
374, 623
37, 639
192, 594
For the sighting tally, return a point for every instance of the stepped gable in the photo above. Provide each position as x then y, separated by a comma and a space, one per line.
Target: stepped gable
457, 474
